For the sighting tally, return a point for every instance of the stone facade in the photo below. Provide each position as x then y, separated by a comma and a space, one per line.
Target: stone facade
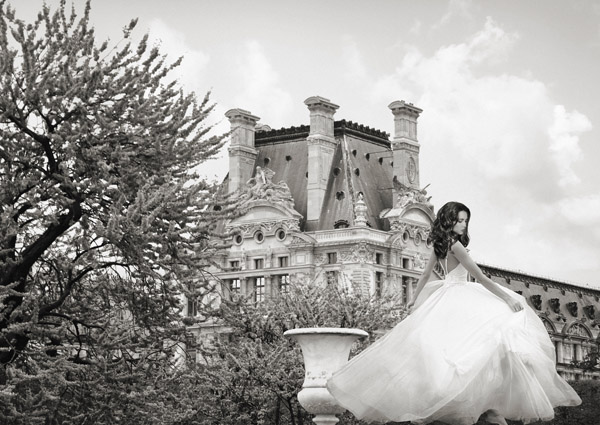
340, 201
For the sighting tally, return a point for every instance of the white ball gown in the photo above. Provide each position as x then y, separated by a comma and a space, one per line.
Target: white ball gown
461, 352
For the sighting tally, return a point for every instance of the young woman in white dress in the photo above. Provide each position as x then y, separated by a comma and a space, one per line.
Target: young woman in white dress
466, 349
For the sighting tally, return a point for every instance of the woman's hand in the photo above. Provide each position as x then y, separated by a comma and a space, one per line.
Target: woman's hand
410, 306
515, 305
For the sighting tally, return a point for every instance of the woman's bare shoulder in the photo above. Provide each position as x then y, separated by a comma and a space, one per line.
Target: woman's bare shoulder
457, 245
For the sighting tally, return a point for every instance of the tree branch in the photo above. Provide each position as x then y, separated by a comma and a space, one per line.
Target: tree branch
42, 140
46, 309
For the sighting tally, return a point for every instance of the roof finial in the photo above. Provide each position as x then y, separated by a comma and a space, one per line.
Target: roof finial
360, 211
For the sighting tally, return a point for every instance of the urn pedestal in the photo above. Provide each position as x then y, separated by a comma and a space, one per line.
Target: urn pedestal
325, 350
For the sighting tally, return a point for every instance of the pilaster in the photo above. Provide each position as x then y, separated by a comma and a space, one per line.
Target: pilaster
559, 352
244, 286
405, 146
242, 154
321, 146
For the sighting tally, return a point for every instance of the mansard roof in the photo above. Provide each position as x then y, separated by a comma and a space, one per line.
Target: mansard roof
361, 163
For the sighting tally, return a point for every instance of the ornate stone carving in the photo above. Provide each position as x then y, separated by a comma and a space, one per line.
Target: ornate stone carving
296, 241
411, 170
346, 256
320, 259
262, 187
243, 259
536, 301
572, 308
419, 262
362, 253
590, 311
399, 226
268, 227
408, 195
360, 211
555, 305
578, 330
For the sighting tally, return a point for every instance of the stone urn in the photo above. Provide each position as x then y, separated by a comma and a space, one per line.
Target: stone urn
325, 350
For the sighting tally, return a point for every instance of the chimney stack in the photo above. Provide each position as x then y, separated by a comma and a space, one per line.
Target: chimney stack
242, 154
405, 146
321, 146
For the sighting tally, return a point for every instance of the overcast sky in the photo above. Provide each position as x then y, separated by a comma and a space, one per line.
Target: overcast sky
509, 90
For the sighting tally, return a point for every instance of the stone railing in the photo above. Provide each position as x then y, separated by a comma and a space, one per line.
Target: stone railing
350, 234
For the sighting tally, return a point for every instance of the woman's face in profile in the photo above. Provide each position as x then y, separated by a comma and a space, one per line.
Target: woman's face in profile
461, 224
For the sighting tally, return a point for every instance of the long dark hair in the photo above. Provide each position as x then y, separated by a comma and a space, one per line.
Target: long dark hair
441, 235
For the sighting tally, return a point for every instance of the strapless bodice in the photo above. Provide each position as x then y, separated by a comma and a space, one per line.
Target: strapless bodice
458, 274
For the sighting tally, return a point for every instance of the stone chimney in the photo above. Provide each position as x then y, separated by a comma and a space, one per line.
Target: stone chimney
405, 146
242, 154
321, 146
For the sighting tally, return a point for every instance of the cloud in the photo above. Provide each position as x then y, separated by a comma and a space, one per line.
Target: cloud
257, 87
352, 57
174, 44
415, 29
456, 8
584, 210
260, 88
564, 146
500, 143
504, 126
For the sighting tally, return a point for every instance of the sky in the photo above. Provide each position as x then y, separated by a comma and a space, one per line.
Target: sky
509, 91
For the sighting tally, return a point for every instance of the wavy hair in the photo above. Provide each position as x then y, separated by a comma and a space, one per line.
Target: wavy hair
441, 236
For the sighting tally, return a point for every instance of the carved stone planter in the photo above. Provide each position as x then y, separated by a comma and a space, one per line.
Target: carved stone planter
325, 350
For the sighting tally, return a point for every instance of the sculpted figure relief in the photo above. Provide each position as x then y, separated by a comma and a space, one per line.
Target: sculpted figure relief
261, 186
407, 195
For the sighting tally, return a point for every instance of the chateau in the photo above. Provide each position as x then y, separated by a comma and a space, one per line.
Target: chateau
339, 201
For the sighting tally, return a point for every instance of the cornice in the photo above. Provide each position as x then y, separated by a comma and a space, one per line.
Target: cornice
339, 127
282, 134
363, 131
538, 280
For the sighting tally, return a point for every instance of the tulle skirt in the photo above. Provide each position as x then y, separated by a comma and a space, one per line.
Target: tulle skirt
460, 353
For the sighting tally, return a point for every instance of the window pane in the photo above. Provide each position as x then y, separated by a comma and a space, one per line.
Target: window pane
284, 284
259, 289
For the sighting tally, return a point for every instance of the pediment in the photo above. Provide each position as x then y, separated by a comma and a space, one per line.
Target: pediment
415, 213
262, 210
419, 214
267, 216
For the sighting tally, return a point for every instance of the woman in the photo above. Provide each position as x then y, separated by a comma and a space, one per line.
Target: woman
466, 349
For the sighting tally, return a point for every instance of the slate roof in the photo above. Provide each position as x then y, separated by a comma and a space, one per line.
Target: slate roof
289, 160
285, 151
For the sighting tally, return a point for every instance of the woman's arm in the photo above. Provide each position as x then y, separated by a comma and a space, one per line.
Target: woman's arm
423, 279
462, 255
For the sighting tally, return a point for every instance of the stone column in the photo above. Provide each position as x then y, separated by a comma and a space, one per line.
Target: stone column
577, 352
409, 288
405, 146
321, 146
242, 154
244, 286
268, 286
559, 352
